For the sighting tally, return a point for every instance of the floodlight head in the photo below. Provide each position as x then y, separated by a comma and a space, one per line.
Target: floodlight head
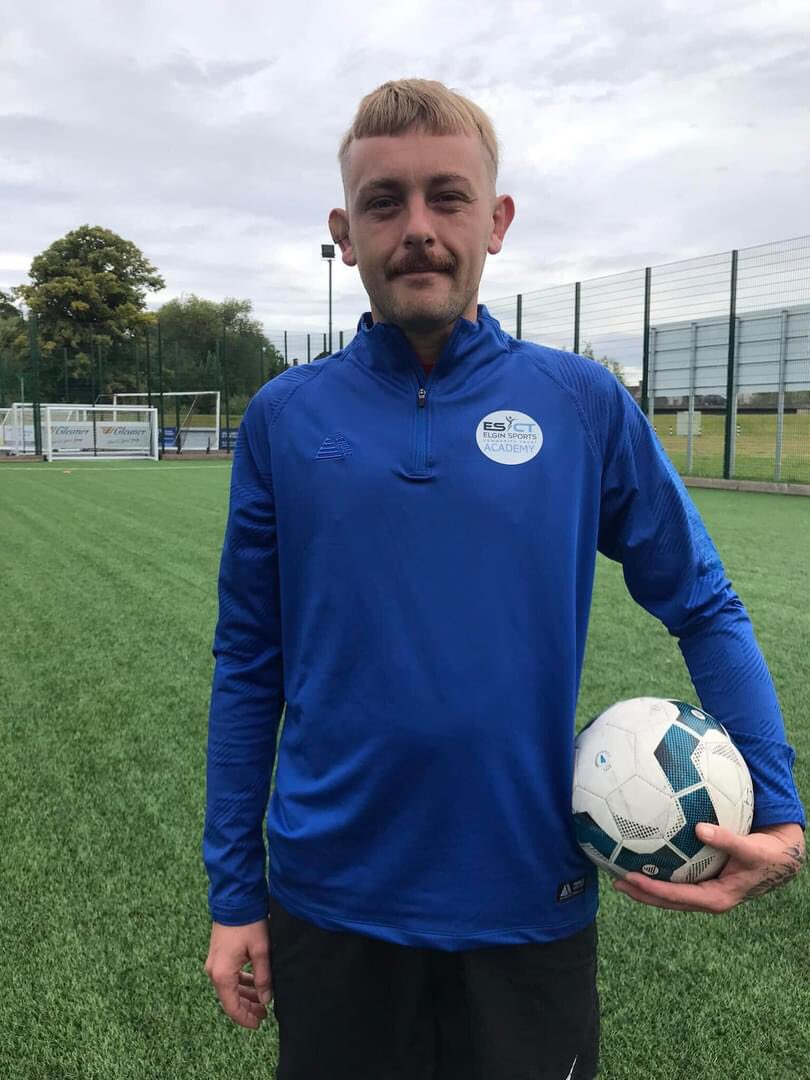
327, 251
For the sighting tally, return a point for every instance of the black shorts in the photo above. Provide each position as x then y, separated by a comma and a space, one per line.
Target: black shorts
351, 1007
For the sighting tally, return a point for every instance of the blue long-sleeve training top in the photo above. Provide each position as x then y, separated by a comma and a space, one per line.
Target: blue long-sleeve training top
408, 564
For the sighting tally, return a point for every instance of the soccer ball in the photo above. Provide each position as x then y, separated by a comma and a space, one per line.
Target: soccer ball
646, 771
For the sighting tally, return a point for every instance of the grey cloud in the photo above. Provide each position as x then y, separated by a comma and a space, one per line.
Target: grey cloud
188, 70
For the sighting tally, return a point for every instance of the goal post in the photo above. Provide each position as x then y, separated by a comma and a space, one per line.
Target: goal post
79, 432
196, 416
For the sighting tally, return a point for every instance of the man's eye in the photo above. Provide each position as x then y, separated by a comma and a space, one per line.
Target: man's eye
450, 196
384, 203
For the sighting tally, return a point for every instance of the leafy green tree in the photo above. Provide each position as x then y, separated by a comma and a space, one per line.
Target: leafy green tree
605, 361
13, 349
202, 339
90, 288
7, 307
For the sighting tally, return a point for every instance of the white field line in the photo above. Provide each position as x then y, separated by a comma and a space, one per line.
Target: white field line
104, 468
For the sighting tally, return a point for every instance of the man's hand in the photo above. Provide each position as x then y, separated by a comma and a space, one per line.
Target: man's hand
243, 994
757, 863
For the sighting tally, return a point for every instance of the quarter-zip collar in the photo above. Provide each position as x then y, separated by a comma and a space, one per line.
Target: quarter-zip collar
385, 346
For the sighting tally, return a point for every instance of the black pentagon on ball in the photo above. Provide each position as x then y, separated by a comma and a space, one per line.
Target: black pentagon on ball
664, 858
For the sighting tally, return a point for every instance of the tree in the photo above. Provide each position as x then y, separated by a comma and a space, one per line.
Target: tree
13, 349
200, 338
7, 307
89, 288
606, 362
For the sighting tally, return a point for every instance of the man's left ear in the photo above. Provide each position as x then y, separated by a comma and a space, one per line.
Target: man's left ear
339, 229
502, 217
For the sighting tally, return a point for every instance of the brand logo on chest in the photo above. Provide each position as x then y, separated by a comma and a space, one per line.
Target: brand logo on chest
334, 448
509, 437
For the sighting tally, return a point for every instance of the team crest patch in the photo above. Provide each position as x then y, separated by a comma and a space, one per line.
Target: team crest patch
509, 437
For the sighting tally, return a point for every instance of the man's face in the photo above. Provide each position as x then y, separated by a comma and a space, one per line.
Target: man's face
421, 214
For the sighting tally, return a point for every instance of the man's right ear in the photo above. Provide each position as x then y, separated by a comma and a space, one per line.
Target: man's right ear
339, 228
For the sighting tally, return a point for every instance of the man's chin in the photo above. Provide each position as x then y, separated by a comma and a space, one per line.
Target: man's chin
423, 315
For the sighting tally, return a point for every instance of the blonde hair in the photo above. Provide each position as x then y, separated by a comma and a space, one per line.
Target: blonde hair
420, 105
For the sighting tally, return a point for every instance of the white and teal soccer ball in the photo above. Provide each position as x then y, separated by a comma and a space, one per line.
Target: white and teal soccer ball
646, 771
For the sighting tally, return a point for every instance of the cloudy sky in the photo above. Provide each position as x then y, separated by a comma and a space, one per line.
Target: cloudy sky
632, 133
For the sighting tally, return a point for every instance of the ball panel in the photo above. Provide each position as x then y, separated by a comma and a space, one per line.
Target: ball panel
600, 861
638, 714
673, 754
588, 832
701, 868
697, 806
604, 759
696, 719
659, 864
724, 769
639, 800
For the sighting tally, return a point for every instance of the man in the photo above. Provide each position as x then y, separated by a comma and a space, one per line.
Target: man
408, 564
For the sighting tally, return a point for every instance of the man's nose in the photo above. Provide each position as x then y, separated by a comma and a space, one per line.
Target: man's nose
418, 226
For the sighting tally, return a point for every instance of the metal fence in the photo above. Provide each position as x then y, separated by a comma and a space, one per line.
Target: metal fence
716, 350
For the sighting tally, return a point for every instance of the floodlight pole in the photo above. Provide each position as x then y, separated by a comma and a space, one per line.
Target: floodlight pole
328, 253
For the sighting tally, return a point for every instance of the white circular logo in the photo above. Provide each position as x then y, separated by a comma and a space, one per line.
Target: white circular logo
602, 760
650, 869
509, 437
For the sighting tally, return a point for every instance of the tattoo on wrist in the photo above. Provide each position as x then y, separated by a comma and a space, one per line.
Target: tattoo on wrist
779, 875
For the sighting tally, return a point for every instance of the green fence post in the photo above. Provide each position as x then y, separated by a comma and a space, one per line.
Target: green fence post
519, 317
33, 342
645, 354
160, 391
309, 349
148, 369
784, 315
732, 343
286, 361
226, 389
100, 374
577, 300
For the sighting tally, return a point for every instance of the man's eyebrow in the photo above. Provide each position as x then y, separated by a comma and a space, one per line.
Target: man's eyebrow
386, 183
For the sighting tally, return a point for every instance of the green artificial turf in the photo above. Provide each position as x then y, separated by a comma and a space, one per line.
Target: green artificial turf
108, 601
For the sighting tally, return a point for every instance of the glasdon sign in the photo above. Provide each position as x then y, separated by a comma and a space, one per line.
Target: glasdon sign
509, 437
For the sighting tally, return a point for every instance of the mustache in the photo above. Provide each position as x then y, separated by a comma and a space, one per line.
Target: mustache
421, 265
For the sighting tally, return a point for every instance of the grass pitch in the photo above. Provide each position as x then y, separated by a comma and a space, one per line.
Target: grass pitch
109, 600
755, 453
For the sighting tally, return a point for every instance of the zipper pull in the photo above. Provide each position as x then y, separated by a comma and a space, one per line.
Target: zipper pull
421, 397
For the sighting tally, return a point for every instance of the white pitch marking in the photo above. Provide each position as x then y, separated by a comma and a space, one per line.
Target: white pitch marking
108, 468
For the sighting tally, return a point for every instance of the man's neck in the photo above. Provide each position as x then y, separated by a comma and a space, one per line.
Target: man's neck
428, 346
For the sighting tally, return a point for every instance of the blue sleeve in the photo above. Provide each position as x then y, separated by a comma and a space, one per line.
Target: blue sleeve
248, 693
650, 525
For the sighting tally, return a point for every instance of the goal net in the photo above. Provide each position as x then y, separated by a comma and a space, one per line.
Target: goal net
17, 434
190, 418
78, 432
